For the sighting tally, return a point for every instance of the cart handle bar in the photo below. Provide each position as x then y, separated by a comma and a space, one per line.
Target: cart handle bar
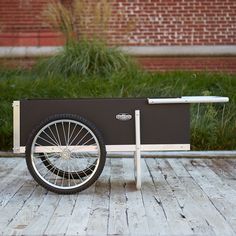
188, 99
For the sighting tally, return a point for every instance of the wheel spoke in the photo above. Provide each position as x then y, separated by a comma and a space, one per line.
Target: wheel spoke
63, 128
53, 136
46, 140
76, 136
68, 135
58, 134
72, 133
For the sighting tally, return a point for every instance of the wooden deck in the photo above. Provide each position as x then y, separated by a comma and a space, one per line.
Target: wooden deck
178, 197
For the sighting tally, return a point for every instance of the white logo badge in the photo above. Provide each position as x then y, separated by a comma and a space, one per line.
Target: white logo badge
123, 116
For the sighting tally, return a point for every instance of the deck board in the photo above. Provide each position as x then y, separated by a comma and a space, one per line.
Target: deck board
178, 197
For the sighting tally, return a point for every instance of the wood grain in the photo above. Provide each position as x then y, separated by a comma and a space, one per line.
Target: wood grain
178, 197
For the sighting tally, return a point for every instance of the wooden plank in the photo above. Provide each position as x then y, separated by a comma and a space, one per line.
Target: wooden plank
224, 170
22, 219
220, 190
232, 162
224, 197
39, 222
136, 213
15, 204
221, 226
81, 212
118, 221
99, 213
6, 166
190, 208
178, 224
60, 219
156, 218
178, 196
215, 179
12, 172
13, 181
215, 220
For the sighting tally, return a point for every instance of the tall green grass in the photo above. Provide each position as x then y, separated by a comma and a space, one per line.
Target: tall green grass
213, 127
83, 58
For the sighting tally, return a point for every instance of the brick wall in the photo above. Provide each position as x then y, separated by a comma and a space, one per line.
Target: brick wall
148, 22
174, 22
213, 64
22, 24
135, 23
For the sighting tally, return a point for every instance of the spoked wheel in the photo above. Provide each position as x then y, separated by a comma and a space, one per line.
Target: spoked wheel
65, 174
65, 154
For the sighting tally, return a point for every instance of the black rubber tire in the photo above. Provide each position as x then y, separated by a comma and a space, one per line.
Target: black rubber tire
61, 173
99, 169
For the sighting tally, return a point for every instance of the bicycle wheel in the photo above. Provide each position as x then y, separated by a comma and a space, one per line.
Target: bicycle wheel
76, 175
65, 153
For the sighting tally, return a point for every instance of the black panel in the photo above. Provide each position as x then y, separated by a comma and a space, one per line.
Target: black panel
160, 124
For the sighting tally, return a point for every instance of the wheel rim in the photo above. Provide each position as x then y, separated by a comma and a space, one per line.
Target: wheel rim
71, 148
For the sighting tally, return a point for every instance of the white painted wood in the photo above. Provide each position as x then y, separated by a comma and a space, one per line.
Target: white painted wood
136, 213
49, 149
164, 147
119, 148
118, 211
166, 198
16, 126
98, 219
137, 153
188, 99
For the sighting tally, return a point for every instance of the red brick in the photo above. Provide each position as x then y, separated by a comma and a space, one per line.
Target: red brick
207, 19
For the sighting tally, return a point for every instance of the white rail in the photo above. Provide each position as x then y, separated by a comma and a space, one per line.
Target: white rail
188, 99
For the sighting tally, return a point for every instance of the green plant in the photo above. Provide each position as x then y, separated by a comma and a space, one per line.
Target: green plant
86, 51
214, 129
84, 58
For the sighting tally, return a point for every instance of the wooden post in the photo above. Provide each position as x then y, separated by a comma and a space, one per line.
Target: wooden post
137, 154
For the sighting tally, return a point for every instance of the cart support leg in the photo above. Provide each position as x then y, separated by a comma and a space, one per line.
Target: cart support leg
137, 155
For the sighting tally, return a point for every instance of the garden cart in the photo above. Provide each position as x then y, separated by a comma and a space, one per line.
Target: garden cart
66, 140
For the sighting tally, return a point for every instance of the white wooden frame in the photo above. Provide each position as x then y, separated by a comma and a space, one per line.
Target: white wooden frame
115, 148
188, 99
16, 127
137, 153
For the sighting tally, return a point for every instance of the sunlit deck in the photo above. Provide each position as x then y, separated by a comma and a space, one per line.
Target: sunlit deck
178, 197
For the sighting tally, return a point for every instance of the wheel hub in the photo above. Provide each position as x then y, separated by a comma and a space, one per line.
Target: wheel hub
66, 154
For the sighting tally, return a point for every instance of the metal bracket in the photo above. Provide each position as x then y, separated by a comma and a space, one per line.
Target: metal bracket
137, 154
